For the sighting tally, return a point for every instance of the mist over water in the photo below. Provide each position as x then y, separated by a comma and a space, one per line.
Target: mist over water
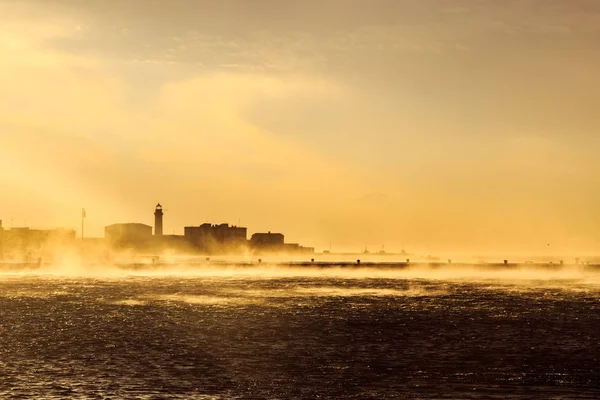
235, 331
518, 274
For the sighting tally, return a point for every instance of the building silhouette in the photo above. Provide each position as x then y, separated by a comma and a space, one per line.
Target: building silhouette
128, 234
206, 238
275, 242
27, 243
158, 220
216, 238
267, 240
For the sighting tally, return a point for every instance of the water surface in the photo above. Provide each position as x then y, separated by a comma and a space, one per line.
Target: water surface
252, 336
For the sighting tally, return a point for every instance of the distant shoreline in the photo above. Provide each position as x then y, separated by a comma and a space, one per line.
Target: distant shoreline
140, 266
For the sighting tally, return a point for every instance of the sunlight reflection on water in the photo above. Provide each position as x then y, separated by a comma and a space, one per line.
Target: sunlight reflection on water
348, 335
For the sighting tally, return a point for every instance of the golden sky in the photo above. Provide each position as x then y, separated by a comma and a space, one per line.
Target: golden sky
437, 126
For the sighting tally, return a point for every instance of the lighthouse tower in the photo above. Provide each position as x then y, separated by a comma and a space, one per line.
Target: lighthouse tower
158, 226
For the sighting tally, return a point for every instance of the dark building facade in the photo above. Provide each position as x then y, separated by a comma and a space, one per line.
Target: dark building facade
129, 234
275, 242
267, 240
216, 238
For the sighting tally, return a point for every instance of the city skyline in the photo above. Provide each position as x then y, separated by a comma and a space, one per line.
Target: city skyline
24, 243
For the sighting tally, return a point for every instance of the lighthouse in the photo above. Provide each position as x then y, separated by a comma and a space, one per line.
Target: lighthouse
158, 226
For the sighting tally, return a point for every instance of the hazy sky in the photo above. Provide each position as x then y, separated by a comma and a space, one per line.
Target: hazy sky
440, 126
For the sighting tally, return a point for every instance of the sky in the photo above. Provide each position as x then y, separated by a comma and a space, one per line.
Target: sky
429, 125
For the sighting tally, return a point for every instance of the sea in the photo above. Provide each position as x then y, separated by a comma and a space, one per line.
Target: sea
300, 333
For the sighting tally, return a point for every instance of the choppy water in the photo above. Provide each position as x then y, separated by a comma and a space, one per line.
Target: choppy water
253, 337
